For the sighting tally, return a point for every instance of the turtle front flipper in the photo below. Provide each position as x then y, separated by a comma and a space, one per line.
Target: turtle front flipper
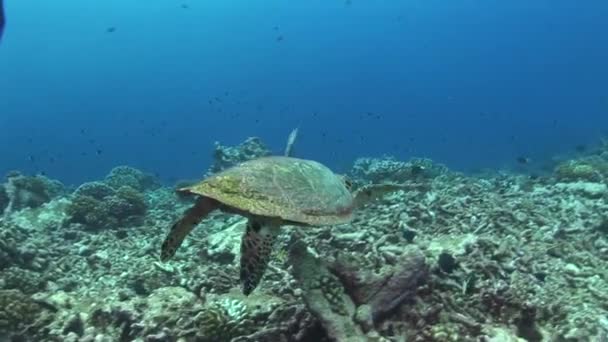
256, 247
184, 226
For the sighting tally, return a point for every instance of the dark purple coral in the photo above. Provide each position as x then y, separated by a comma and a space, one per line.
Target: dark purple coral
385, 291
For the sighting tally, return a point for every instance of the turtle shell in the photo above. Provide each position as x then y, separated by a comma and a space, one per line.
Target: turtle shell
293, 189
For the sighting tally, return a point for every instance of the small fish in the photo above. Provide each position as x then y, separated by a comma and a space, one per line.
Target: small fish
523, 160
111, 29
2, 18
279, 38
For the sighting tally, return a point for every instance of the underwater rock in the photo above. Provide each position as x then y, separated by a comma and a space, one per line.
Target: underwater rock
228, 156
324, 295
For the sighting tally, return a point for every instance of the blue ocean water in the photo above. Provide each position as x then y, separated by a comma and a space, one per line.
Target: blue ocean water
88, 85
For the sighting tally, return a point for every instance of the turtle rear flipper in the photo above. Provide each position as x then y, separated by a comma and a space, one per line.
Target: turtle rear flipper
256, 247
184, 226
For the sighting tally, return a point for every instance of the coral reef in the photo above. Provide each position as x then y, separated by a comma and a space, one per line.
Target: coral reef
502, 257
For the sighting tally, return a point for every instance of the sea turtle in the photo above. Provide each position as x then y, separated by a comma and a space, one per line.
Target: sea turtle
271, 192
